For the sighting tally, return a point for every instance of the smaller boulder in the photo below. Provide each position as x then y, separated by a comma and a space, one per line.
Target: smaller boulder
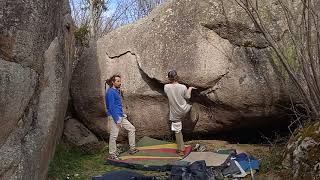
77, 135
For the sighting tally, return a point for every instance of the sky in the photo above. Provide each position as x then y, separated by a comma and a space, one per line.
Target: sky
112, 6
127, 16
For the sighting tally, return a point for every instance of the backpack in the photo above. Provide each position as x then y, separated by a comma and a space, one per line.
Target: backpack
195, 171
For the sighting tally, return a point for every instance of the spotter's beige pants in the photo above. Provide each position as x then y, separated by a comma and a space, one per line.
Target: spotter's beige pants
114, 131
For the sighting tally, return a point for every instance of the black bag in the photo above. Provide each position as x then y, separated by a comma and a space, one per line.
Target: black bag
195, 171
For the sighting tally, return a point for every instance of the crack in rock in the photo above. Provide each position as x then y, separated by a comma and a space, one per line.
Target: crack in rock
157, 85
122, 54
153, 83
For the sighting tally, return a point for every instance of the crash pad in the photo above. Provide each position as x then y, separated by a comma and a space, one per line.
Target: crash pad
153, 154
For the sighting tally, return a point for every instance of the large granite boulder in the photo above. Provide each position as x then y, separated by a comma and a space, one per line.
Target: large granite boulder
212, 44
36, 49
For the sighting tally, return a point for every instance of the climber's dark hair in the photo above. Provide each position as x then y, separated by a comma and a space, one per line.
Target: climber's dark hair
172, 75
110, 80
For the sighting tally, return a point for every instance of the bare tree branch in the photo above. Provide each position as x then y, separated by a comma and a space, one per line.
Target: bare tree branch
305, 41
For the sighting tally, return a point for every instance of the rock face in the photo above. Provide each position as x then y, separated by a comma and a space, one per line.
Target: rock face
302, 153
36, 49
212, 44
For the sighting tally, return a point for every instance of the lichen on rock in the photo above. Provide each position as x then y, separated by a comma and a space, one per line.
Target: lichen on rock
302, 155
